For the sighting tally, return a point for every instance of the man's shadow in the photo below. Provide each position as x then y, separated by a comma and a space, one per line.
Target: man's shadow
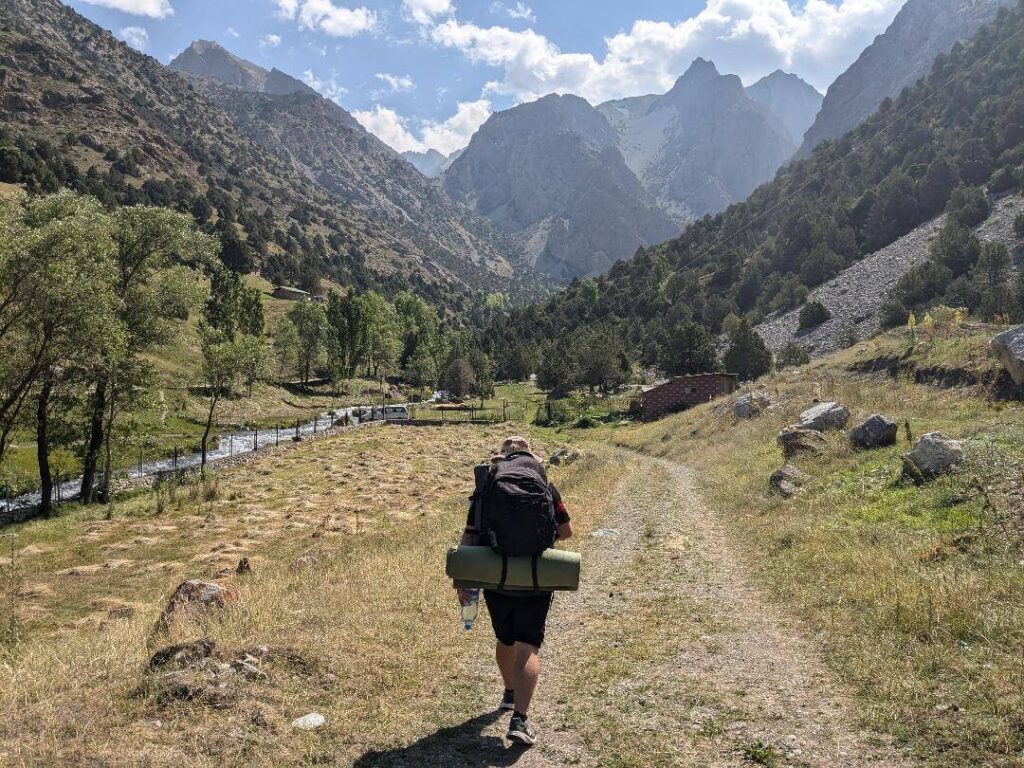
459, 746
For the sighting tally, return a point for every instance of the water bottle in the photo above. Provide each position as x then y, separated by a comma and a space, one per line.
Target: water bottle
471, 609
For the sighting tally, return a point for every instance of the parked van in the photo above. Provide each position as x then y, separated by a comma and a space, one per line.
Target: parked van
387, 413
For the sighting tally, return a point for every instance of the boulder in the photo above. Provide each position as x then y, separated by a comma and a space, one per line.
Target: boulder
875, 432
788, 480
933, 454
824, 416
750, 405
309, 722
795, 440
1008, 346
202, 595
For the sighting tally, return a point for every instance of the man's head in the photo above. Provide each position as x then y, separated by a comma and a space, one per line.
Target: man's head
515, 444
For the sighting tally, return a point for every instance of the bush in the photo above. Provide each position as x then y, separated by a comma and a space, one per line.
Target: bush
812, 315
968, 206
792, 354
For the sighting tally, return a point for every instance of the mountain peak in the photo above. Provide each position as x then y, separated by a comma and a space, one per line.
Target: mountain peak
206, 58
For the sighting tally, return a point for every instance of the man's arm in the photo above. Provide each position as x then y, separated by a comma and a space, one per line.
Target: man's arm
564, 530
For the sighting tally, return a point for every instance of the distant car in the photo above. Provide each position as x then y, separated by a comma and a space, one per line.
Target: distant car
387, 413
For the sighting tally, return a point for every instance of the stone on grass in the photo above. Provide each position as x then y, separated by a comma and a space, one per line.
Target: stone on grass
309, 722
933, 454
563, 456
876, 431
796, 440
788, 480
1008, 346
824, 416
198, 595
750, 405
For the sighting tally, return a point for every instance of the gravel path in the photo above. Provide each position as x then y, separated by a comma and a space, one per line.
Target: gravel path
855, 296
740, 674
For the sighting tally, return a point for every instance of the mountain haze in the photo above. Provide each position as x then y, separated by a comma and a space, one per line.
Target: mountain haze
431, 163
899, 57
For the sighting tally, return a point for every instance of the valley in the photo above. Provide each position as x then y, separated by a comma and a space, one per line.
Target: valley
729, 299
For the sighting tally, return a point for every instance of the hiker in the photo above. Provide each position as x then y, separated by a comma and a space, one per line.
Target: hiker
518, 617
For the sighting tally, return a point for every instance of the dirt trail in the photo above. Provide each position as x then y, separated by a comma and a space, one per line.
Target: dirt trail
740, 685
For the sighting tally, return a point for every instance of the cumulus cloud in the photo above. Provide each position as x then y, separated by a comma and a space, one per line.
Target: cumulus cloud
396, 83
390, 127
455, 132
156, 9
445, 136
325, 16
270, 41
232, 32
426, 11
136, 37
750, 38
329, 88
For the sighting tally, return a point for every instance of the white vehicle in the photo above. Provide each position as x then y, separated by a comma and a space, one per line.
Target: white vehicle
387, 413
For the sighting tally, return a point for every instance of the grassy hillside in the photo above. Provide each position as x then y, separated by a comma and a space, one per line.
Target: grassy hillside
916, 592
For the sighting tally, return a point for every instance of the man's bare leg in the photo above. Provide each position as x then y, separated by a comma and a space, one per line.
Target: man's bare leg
506, 658
527, 673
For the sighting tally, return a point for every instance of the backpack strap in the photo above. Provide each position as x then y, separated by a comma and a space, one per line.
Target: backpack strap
504, 573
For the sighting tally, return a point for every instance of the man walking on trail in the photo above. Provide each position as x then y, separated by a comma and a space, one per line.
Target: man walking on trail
518, 617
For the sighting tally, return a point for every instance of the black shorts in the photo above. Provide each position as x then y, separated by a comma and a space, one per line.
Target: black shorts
518, 619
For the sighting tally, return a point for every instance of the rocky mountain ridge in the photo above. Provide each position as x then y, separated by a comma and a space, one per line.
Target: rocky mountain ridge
902, 55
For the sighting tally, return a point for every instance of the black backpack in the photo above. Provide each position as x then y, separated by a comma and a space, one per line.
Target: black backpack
515, 509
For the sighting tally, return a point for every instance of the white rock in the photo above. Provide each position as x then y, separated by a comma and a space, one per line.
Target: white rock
824, 416
309, 722
935, 454
750, 405
1008, 346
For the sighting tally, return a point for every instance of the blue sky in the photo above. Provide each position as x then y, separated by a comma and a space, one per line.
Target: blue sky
426, 73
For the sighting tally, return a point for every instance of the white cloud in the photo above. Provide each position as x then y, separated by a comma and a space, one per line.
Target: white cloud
817, 39
390, 127
270, 41
325, 16
329, 88
397, 83
156, 9
426, 11
445, 136
232, 32
136, 37
517, 10
455, 132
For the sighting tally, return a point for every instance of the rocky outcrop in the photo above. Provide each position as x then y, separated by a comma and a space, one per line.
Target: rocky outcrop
824, 416
876, 431
196, 595
797, 440
901, 56
933, 454
750, 405
855, 296
430, 163
564, 456
1008, 346
793, 102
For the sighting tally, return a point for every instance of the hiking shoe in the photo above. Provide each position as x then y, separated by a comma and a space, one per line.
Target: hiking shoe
520, 731
508, 702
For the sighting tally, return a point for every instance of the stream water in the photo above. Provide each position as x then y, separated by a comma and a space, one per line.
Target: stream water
231, 444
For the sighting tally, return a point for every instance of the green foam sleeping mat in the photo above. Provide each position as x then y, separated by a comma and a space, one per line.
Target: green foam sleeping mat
480, 568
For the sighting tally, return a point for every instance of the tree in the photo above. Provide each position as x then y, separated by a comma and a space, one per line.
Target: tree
792, 355
558, 369
955, 247
813, 314
689, 348
990, 278
602, 360
309, 320
459, 379
748, 356
147, 241
286, 348
378, 340
220, 372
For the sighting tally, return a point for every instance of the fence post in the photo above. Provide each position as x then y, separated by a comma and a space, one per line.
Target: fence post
175, 460
315, 420
296, 427
277, 434
255, 439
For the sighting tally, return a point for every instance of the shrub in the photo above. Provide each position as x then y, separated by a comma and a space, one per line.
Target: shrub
813, 314
793, 354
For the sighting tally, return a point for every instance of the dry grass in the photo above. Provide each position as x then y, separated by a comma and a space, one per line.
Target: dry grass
362, 630
917, 593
